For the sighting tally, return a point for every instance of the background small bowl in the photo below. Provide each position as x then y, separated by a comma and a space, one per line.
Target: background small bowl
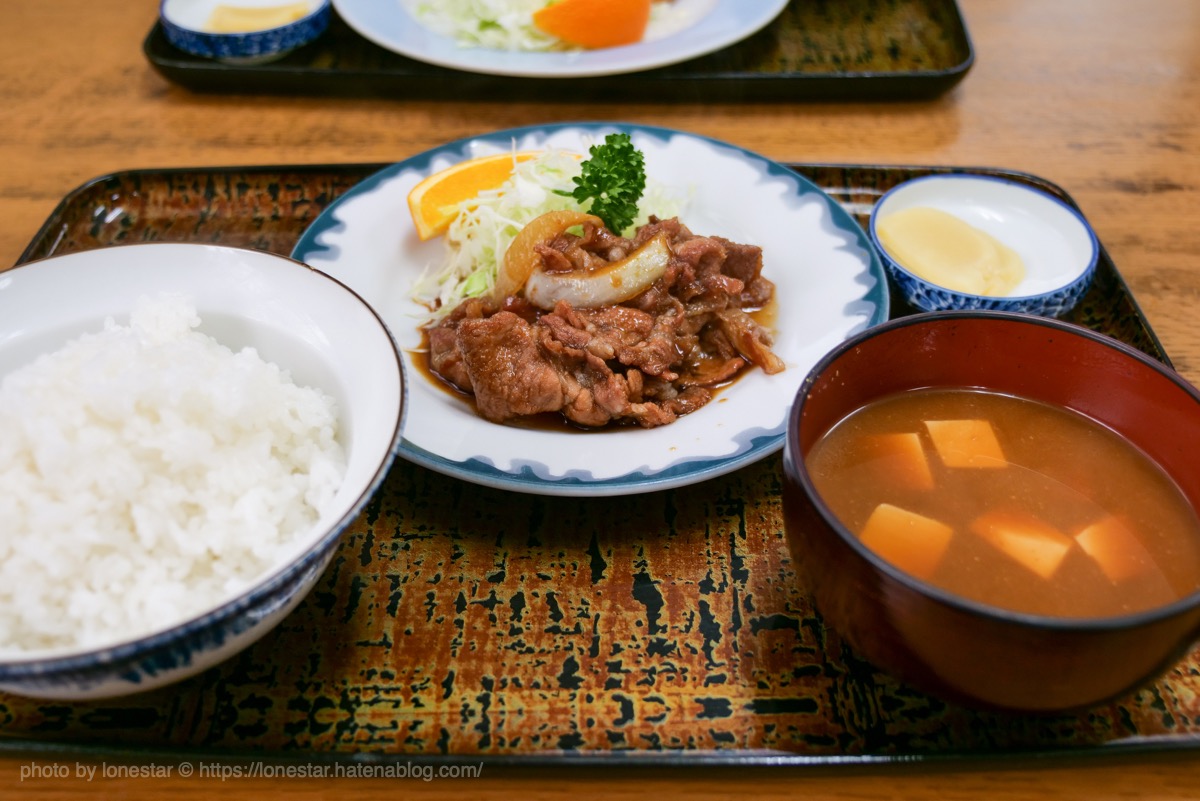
1058, 247
296, 317
184, 24
950, 646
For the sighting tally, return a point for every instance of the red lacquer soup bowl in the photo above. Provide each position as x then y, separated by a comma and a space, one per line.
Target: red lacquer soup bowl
966, 650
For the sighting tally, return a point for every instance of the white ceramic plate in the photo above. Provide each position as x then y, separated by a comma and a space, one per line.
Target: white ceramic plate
829, 284
709, 25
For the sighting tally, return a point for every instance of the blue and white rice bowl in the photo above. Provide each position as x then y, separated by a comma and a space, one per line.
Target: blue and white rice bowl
1054, 241
184, 22
295, 317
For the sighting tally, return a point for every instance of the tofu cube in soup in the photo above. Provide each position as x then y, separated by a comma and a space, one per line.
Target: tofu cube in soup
966, 443
910, 541
901, 458
1029, 541
1115, 550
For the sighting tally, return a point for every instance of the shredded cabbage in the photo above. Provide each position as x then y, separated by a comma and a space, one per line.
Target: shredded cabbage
485, 226
506, 24
491, 24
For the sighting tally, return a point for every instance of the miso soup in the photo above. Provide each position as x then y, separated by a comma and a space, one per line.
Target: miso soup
1010, 502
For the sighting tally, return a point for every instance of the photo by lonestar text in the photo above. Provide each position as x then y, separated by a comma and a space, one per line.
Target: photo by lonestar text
85, 771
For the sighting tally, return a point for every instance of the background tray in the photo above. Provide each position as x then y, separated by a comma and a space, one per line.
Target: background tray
885, 49
462, 622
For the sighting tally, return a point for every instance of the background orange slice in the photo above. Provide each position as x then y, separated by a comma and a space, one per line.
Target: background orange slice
595, 23
434, 202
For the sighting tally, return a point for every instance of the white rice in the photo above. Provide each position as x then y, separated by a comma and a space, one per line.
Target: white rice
147, 473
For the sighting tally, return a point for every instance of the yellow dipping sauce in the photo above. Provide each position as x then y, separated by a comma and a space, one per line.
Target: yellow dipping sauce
949, 252
244, 19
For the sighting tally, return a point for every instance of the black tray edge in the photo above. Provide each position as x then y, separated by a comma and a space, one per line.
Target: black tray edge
658, 85
1133, 748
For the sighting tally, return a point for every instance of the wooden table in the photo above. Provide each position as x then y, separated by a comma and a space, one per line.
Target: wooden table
1096, 95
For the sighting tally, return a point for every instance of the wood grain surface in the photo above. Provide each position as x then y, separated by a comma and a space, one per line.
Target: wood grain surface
1099, 96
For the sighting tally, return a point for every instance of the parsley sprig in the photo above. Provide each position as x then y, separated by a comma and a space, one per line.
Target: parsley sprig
613, 177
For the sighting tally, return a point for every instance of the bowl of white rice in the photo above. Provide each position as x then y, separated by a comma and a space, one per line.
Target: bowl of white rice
185, 433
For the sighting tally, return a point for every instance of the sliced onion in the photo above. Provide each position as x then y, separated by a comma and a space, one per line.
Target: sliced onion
614, 283
521, 258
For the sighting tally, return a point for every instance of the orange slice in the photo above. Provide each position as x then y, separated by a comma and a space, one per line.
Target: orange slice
435, 201
595, 23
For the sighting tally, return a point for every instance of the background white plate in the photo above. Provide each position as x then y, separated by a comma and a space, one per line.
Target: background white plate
829, 284
717, 24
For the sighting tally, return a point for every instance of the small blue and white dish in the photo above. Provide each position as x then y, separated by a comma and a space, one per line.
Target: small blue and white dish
189, 25
1054, 242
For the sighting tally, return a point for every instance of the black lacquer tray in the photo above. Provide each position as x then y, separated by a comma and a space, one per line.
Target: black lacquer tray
464, 623
816, 49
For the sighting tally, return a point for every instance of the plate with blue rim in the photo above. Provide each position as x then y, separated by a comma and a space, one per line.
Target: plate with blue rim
829, 284
692, 28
